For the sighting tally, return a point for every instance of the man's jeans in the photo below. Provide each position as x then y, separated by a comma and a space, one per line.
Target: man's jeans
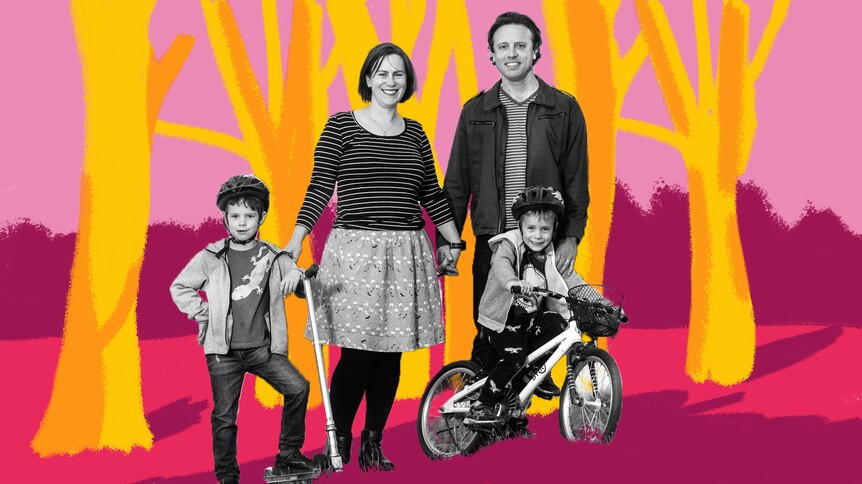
483, 353
226, 375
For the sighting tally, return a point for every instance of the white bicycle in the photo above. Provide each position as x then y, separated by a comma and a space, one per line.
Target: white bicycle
590, 399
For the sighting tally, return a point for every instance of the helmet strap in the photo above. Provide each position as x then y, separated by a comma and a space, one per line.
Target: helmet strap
243, 242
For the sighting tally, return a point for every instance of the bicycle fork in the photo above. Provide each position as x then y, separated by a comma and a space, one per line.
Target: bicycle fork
572, 360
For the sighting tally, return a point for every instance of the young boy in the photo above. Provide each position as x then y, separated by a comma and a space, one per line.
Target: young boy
513, 324
242, 325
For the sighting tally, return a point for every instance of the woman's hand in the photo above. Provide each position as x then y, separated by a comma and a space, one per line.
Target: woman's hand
294, 247
447, 260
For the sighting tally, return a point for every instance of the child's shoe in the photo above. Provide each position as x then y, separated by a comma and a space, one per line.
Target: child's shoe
547, 389
293, 463
483, 415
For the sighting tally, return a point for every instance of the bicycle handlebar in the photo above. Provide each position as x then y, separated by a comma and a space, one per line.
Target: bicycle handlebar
545, 292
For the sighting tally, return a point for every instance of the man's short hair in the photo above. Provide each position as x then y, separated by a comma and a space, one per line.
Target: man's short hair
372, 63
515, 18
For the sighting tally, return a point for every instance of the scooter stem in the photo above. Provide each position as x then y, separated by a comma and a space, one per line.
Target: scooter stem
334, 456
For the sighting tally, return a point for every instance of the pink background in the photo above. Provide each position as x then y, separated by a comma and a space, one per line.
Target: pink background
803, 152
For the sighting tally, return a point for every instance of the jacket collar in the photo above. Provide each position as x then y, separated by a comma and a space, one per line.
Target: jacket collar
544, 96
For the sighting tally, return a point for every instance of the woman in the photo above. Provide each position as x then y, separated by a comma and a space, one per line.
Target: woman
377, 290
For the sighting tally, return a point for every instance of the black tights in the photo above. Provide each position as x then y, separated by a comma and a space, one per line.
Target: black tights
370, 373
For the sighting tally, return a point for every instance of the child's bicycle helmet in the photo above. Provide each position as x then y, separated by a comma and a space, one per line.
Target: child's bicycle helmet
538, 198
243, 185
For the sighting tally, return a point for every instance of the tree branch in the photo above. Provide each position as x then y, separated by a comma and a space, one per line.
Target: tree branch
776, 20
274, 69
653, 131
204, 136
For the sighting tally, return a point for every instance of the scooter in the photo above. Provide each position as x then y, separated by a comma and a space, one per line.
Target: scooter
330, 462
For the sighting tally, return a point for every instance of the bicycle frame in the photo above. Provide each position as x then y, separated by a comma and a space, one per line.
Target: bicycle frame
563, 343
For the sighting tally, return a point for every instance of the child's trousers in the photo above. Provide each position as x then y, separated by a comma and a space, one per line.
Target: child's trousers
520, 336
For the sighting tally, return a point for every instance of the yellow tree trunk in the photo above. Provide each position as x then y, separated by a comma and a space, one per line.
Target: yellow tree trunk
588, 63
714, 134
96, 400
721, 332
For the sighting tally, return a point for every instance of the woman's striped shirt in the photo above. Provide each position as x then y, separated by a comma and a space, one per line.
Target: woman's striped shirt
382, 180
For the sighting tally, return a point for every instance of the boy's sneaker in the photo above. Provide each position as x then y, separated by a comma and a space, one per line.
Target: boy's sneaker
547, 389
293, 463
483, 415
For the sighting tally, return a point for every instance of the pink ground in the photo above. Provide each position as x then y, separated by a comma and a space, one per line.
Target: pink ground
797, 418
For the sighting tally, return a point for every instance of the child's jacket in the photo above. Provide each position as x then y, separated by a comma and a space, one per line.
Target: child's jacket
508, 250
208, 271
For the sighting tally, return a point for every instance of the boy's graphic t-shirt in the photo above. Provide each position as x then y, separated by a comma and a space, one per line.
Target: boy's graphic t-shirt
249, 297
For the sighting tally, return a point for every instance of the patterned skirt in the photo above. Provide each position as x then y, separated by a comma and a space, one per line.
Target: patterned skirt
377, 290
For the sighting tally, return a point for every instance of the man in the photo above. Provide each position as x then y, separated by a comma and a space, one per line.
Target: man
522, 132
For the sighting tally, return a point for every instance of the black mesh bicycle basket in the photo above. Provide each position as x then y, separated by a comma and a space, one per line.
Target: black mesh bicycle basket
597, 309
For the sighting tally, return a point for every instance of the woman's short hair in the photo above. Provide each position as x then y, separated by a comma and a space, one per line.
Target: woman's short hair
515, 18
372, 63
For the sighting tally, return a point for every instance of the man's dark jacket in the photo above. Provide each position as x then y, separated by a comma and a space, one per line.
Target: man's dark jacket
556, 157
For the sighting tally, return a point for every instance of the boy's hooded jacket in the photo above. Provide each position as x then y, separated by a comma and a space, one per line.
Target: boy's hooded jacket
208, 271
508, 250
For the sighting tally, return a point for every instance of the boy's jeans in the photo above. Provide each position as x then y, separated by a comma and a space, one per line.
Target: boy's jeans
226, 375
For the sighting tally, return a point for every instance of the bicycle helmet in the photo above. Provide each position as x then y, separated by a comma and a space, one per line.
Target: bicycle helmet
243, 185
538, 198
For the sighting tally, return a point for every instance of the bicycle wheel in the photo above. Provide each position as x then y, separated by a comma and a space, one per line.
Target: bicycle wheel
592, 398
442, 436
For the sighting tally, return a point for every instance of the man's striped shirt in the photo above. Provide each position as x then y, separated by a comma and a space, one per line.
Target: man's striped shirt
515, 167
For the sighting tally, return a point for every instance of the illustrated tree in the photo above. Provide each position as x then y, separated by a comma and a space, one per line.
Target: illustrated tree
588, 63
96, 401
714, 133
278, 134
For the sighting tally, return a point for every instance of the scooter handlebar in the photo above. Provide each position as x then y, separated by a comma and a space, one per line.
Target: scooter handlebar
311, 271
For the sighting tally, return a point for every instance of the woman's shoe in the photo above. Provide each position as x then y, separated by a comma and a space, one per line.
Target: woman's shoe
370, 454
344, 444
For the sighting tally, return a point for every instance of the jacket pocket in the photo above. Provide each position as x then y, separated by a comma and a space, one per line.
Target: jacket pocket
477, 122
561, 114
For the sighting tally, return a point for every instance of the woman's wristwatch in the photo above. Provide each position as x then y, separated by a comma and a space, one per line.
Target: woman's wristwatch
458, 245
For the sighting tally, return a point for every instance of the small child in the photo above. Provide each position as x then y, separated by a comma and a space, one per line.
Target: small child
513, 323
242, 325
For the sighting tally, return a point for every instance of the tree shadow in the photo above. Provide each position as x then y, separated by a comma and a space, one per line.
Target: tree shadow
778, 355
175, 417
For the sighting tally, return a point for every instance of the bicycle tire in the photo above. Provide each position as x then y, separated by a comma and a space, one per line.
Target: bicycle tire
591, 399
443, 437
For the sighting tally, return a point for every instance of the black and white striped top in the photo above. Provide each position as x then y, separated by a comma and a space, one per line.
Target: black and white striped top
382, 180
515, 168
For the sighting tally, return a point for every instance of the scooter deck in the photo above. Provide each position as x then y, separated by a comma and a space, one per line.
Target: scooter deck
299, 477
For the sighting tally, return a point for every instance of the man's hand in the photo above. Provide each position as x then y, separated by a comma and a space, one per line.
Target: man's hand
447, 260
289, 282
567, 252
202, 331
